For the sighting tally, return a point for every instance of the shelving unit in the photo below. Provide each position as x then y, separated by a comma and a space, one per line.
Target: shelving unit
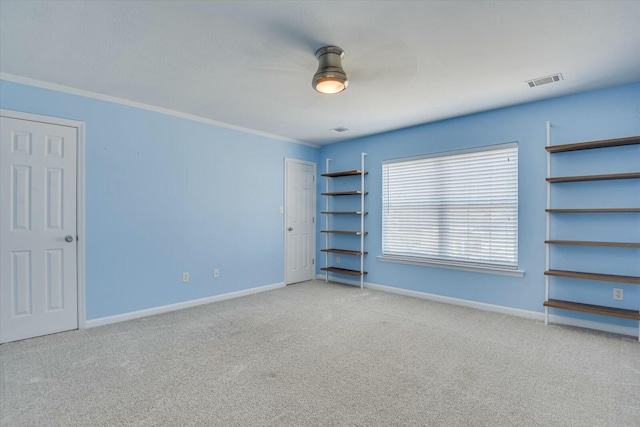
571, 305
328, 224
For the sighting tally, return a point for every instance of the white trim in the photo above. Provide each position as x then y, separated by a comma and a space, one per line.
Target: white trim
527, 314
591, 324
179, 306
108, 98
80, 197
42, 119
288, 160
452, 266
81, 227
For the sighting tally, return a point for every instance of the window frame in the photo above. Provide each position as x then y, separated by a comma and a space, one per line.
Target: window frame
470, 265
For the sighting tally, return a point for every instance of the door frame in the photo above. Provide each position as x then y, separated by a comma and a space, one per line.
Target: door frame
80, 197
287, 161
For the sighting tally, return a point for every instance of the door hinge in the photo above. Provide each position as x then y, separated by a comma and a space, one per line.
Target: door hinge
313, 219
314, 178
313, 261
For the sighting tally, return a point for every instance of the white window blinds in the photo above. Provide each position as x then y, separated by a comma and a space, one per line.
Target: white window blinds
458, 208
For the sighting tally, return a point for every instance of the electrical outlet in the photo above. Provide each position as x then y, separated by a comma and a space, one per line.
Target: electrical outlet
618, 293
185, 277
281, 209
216, 273
337, 260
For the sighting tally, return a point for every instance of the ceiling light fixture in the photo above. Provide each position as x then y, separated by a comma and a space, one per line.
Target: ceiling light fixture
330, 77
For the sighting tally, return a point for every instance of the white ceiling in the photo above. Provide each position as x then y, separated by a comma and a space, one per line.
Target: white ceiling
250, 64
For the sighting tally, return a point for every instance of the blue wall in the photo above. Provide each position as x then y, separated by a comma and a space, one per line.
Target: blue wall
602, 114
166, 195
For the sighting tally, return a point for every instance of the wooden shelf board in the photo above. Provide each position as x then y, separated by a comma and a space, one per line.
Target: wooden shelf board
596, 309
633, 140
343, 252
605, 177
593, 276
343, 271
344, 213
344, 193
593, 210
343, 232
344, 173
586, 243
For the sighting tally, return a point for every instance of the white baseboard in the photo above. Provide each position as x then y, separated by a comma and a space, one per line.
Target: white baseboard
528, 314
178, 306
590, 324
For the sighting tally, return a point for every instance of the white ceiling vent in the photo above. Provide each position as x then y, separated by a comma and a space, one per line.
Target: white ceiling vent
545, 80
339, 129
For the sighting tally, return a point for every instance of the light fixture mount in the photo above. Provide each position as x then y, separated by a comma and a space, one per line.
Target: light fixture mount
330, 77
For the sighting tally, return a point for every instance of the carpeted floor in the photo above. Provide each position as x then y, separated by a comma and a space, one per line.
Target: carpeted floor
323, 354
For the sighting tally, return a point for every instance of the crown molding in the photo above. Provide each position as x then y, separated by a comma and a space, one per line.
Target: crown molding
108, 98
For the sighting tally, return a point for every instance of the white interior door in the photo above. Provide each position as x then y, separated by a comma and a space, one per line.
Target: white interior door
300, 211
38, 248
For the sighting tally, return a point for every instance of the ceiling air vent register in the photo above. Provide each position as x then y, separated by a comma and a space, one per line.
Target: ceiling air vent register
545, 80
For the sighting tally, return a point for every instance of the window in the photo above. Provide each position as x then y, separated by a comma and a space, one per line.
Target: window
457, 209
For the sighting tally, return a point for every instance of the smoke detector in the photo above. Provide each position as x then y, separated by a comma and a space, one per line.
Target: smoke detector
545, 80
339, 129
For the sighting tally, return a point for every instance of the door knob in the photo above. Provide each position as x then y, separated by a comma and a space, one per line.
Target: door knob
290, 228
68, 238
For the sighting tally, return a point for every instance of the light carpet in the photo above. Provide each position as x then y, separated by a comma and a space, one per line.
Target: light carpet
323, 354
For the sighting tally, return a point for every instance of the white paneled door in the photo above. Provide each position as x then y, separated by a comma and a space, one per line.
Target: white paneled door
38, 248
300, 211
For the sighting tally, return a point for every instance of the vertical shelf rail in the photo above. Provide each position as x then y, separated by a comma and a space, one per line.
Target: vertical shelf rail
326, 220
548, 226
362, 156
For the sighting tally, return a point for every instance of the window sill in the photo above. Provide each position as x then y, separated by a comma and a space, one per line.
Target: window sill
453, 266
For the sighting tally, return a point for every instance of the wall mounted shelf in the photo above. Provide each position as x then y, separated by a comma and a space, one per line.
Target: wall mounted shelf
343, 251
357, 233
593, 276
345, 193
593, 210
585, 243
344, 271
345, 173
595, 177
572, 305
345, 213
328, 230
595, 309
618, 142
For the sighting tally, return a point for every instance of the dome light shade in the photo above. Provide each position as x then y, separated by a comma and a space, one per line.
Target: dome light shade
330, 85
330, 77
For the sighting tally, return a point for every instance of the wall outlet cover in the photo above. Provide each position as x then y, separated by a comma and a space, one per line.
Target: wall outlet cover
618, 294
